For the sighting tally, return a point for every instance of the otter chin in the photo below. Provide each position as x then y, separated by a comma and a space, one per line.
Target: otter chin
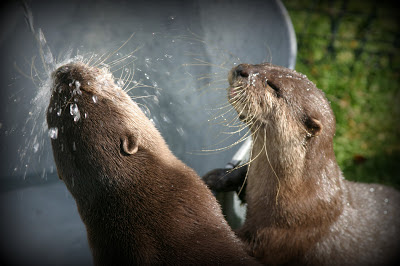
300, 209
139, 203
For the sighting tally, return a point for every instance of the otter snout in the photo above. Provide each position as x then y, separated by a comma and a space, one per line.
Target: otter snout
60, 74
243, 72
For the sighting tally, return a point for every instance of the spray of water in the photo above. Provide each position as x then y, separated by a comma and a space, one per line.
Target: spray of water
37, 135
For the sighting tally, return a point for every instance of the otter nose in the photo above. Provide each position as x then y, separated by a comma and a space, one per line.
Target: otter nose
242, 71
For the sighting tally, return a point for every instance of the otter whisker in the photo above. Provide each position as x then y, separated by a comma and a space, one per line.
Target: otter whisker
227, 147
127, 76
244, 137
125, 58
99, 60
34, 69
24, 74
238, 116
139, 85
225, 105
89, 60
129, 79
143, 96
232, 145
222, 114
235, 132
205, 63
251, 159
105, 59
273, 170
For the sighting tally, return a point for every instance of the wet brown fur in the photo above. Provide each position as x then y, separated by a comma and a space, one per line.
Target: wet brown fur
300, 208
139, 203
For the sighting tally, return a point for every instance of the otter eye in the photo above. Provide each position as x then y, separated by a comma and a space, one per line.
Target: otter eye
274, 87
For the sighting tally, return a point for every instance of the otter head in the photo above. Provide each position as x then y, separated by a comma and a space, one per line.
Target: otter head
102, 136
282, 107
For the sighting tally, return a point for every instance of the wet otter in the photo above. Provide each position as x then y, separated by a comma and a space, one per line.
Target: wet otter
139, 203
300, 210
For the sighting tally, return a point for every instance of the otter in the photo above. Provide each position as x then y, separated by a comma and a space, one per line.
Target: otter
300, 209
139, 203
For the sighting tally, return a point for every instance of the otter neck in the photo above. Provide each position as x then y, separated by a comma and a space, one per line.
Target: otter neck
290, 188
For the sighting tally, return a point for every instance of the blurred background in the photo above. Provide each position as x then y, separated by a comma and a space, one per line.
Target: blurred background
351, 50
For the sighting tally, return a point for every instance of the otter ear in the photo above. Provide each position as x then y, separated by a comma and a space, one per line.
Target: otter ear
314, 126
129, 144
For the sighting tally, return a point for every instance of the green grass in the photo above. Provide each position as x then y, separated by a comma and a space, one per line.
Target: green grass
351, 53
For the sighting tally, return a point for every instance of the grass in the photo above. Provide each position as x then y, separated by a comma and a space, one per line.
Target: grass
350, 50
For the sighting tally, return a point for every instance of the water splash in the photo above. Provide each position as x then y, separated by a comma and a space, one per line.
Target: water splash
44, 50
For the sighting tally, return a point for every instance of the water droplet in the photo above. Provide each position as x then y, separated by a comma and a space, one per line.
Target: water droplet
156, 101
180, 131
74, 111
43, 176
77, 84
120, 82
372, 189
73, 146
36, 147
59, 112
166, 118
386, 200
94, 98
53, 132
